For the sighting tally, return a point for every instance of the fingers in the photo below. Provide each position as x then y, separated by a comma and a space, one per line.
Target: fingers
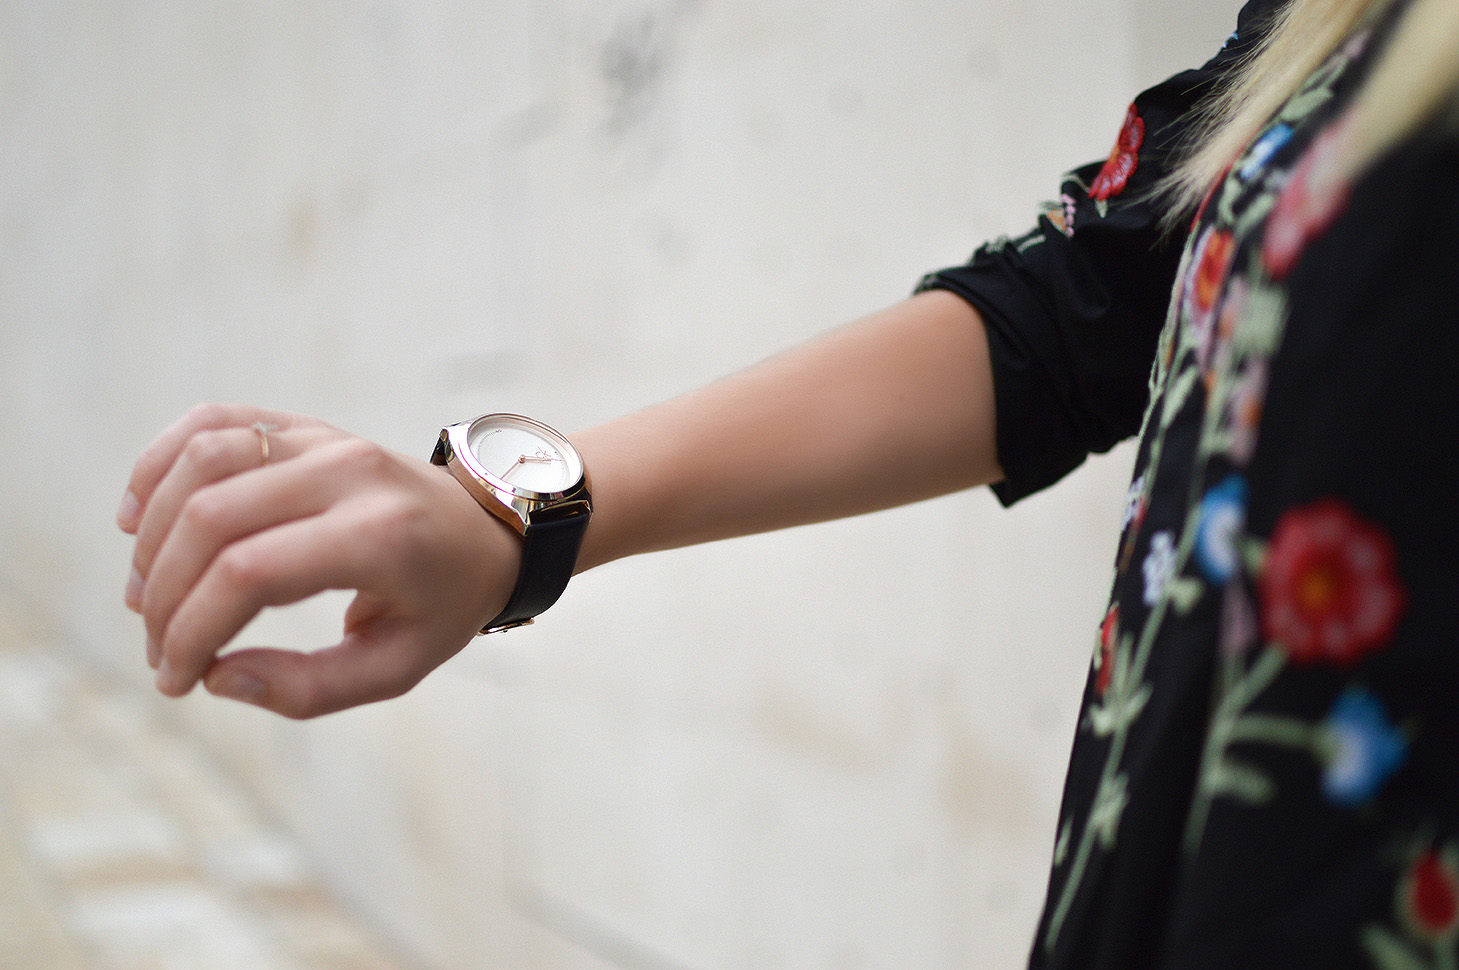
361, 670
159, 457
273, 567
207, 457
223, 534
202, 519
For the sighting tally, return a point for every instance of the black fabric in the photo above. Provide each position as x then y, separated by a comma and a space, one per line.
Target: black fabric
1072, 319
1265, 772
1363, 407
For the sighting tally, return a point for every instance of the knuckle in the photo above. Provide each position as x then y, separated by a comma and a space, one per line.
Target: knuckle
207, 451
207, 413
394, 528
395, 520
239, 567
203, 512
357, 455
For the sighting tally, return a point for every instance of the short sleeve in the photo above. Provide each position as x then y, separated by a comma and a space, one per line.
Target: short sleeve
1074, 308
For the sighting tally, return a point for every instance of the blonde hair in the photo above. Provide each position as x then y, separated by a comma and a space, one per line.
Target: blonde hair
1414, 80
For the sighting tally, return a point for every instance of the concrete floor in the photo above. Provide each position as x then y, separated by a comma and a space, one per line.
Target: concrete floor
124, 845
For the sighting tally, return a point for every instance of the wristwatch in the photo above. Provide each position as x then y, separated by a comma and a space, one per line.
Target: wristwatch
532, 478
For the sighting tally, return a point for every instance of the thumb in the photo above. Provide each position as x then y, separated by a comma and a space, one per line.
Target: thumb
304, 685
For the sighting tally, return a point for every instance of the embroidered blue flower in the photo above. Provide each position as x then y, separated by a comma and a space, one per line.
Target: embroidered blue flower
1222, 518
1365, 748
1265, 147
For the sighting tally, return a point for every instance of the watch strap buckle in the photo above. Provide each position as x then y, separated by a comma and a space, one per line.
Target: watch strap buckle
503, 627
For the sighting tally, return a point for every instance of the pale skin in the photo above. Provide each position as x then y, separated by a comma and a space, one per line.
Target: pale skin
892, 409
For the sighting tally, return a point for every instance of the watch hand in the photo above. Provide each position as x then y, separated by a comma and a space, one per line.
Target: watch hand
540, 458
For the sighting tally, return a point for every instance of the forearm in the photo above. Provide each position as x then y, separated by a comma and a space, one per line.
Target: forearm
237, 508
895, 408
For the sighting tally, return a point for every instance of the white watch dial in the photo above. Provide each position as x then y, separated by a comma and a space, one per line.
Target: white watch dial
524, 455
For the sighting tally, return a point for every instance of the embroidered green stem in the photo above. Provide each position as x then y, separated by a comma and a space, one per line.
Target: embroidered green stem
1112, 794
1227, 725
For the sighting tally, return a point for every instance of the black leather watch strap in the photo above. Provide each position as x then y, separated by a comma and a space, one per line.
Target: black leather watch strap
549, 555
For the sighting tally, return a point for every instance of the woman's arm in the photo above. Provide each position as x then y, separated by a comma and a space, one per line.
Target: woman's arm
892, 409
895, 408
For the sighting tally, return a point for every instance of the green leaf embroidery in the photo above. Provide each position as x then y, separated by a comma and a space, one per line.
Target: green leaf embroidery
1388, 952
1241, 781
1118, 712
1176, 397
1255, 213
1278, 731
1184, 592
1304, 104
1263, 321
1109, 807
1124, 699
1061, 847
1231, 190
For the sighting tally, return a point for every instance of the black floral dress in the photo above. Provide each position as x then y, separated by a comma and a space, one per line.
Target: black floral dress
1266, 769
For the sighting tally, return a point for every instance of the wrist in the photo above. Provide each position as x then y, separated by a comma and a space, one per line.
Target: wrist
612, 533
530, 477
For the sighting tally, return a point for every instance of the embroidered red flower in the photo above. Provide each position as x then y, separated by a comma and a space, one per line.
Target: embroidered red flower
1329, 591
1105, 665
1310, 202
1211, 266
1431, 896
1123, 159
1211, 271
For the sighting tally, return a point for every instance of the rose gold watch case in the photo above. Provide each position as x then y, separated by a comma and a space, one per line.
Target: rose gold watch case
513, 505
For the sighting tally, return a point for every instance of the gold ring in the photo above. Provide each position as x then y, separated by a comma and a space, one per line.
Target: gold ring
263, 428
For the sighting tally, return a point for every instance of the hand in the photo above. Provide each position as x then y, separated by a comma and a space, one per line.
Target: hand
220, 534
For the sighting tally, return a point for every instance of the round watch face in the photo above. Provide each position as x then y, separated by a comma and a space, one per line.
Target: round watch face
524, 455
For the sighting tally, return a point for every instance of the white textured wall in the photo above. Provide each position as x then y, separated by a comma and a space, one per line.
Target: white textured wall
838, 747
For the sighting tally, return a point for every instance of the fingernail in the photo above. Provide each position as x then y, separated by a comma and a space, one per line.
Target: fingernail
135, 585
127, 514
169, 681
154, 653
237, 685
